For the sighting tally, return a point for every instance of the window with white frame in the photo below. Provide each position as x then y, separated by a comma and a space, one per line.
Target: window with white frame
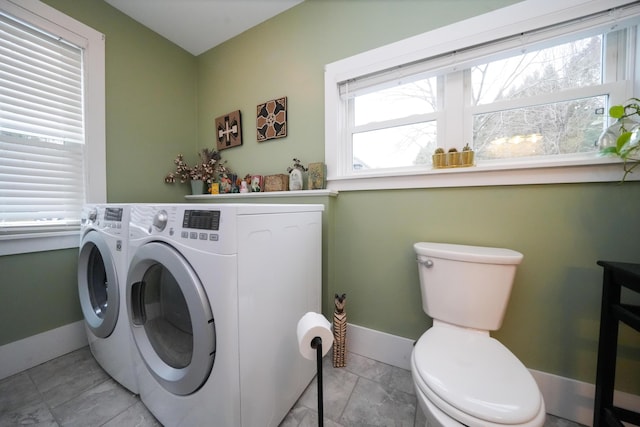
51, 126
537, 98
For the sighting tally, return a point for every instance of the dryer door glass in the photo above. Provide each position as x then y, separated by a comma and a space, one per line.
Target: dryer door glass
97, 283
168, 324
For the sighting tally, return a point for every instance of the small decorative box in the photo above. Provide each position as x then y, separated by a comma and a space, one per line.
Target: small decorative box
279, 182
316, 176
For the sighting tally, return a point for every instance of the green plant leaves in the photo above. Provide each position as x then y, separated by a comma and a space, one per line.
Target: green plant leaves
616, 111
623, 139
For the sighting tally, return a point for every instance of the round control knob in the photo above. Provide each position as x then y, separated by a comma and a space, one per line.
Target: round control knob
93, 215
160, 220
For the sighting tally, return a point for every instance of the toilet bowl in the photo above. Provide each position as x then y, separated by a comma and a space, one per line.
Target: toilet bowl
463, 376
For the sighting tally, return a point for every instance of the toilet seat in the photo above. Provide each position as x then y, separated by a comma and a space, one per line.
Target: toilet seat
452, 417
474, 379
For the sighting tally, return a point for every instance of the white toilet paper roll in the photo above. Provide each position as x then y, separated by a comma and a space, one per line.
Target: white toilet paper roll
313, 325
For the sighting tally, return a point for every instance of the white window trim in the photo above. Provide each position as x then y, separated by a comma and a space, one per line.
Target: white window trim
50, 19
520, 17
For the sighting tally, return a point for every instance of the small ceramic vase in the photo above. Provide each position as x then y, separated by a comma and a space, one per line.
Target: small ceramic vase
295, 180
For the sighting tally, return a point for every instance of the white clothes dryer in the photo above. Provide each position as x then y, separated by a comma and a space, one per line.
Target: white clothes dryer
214, 294
102, 273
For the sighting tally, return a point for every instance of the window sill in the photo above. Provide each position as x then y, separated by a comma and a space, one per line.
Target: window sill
487, 174
270, 194
12, 244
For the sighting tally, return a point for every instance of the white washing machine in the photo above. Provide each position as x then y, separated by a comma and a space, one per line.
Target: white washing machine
214, 294
102, 273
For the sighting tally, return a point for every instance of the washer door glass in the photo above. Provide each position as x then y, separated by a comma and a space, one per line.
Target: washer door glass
171, 318
98, 285
167, 322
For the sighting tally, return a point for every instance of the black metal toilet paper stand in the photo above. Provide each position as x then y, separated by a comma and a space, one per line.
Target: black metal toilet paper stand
317, 344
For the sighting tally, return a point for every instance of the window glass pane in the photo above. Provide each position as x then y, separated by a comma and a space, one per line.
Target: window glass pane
557, 128
565, 66
402, 100
400, 146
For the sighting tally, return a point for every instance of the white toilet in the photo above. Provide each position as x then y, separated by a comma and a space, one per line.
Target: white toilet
462, 376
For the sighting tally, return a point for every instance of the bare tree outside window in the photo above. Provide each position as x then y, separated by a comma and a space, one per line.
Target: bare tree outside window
544, 128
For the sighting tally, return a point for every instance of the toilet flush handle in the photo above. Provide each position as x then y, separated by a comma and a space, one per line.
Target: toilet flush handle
425, 261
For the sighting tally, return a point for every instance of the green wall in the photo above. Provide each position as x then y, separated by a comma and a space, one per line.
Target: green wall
38, 292
161, 100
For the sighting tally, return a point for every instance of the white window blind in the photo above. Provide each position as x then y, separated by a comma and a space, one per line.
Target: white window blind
42, 184
466, 57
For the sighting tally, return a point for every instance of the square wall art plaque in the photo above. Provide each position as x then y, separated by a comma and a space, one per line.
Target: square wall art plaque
228, 130
271, 121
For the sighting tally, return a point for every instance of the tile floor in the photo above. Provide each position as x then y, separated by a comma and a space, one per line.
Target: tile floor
73, 390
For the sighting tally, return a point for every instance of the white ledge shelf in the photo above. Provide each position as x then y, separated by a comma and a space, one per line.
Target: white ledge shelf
268, 194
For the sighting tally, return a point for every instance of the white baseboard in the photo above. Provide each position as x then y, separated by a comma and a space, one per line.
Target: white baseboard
31, 351
563, 397
386, 348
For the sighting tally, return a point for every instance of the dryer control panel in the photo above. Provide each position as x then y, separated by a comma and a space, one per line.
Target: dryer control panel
113, 214
110, 218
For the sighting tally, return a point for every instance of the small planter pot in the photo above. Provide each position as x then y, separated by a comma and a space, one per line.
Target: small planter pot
197, 186
439, 160
466, 157
454, 159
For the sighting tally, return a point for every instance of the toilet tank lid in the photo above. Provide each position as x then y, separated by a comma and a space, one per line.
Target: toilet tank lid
479, 254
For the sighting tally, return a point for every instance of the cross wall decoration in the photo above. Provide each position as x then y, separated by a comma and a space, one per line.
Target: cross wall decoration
228, 130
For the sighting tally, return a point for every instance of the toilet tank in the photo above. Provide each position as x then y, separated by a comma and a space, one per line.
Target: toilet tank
464, 285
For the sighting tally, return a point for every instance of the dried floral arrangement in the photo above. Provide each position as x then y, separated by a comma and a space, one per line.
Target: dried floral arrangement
209, 168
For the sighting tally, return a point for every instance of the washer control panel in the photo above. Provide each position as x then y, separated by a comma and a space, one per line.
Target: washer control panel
205, 228
204, 221
201, 220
